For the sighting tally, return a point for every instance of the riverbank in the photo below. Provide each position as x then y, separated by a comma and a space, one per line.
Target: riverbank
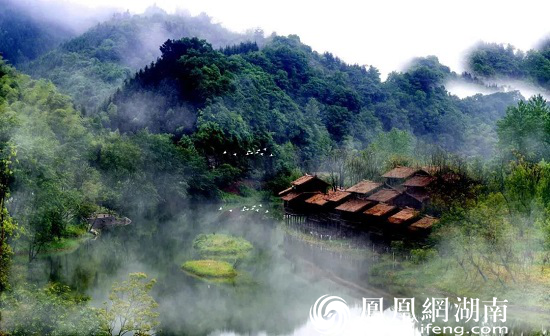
59, 245
411, 273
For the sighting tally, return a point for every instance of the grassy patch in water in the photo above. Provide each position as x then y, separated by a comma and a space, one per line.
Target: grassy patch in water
222, 246
210, 269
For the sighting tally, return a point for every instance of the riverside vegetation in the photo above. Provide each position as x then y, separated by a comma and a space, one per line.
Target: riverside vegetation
195, 122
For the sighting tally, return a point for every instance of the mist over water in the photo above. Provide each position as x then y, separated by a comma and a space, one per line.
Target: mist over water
277, 285
290, 266
386, 324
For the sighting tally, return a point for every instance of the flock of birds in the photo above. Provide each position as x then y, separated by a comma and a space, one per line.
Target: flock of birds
256, 208
260, 152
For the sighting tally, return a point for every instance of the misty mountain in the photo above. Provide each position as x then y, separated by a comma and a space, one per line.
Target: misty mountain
91, 66
24, 37
244, 90
497, 61
284, 92
30, 28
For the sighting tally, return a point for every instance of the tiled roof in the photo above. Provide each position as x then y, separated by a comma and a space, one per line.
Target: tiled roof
305, 179
419, 181
403, 216
284, 192
291, 195
400, 172
364, 187
353, 205
425, 222
380, 209
318, 199
383, 196
337, 196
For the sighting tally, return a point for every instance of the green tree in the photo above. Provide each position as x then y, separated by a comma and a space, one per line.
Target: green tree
7, 225
7, 157
131, 309
525, 130
53, 310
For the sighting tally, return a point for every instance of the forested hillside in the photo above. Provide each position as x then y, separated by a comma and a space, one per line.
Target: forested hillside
57, 168
285, 95
190, 130
90, 66
24, 37
490, 60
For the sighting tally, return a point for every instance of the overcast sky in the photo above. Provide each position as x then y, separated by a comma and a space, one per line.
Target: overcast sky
385, 33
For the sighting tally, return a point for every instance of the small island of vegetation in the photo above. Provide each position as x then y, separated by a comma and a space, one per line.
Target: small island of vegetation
222, 246
210, 269
180, 124
220, 252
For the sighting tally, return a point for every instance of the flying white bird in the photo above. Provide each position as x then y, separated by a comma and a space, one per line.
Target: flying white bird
262, 154
270, 155
220, 209
266, 211
265, 149
230, 210
225, 152
234, 154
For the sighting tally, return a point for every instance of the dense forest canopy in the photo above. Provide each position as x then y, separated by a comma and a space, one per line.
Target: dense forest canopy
59, 168
284, 92
24, 37
491, 60
146, 115
92, 65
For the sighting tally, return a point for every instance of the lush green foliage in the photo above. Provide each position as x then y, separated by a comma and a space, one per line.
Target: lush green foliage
495, 60
52, 310
525, 130
498, 239
199, 120
7, 154
222, 246
91, 66
131, 308
56, 310
59, 169
210, 268
24, 37
299, 105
